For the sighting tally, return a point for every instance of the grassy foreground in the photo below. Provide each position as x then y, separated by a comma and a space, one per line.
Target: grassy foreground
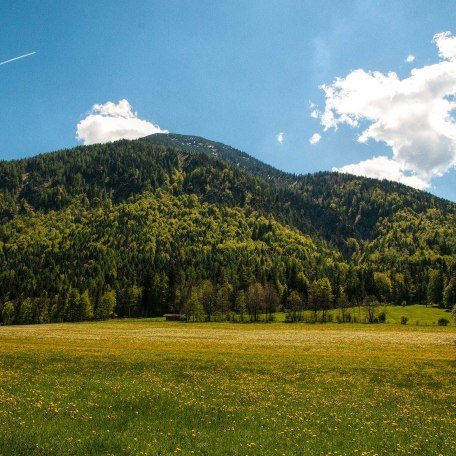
143, 387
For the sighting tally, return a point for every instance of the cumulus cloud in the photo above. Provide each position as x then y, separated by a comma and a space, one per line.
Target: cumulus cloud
382, 167
410, 58
280, 137
112, 121
314, 138
413, 116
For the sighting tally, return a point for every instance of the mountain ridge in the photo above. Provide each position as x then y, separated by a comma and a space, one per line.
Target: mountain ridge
192, 143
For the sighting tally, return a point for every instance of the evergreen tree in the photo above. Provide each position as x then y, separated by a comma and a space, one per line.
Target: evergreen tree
240, 305
449, 295
435, 287
132, 300
208, 298
74, 306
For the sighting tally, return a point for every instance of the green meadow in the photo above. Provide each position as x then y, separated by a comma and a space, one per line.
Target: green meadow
416, 314
145, 387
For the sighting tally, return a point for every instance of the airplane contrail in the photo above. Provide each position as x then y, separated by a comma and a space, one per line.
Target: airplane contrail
17, 58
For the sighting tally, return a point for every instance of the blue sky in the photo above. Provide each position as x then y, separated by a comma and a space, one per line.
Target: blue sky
238, 72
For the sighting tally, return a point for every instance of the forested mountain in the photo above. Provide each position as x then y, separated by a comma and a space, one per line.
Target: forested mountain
173, 222
357, 203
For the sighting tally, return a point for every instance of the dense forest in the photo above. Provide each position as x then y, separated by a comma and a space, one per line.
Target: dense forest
182, 224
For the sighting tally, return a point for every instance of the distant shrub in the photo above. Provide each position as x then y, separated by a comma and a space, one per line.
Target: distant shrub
403, 303
382, 317
443, 322
404, 320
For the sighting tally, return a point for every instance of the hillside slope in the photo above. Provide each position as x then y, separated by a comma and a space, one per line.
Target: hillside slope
359, 202
143, 222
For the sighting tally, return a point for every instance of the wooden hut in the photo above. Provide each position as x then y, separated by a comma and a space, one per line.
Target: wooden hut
172, 317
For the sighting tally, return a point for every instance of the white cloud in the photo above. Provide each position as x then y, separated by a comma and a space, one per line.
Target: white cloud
314, 111
446, 44
383, 168
314, 138
410, 58
113, 121
413, 115
280, 137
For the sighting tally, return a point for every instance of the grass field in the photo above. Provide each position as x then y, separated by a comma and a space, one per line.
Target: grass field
146, 387
417, 314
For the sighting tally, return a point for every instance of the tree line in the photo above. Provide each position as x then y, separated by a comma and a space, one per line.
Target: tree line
208, 301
